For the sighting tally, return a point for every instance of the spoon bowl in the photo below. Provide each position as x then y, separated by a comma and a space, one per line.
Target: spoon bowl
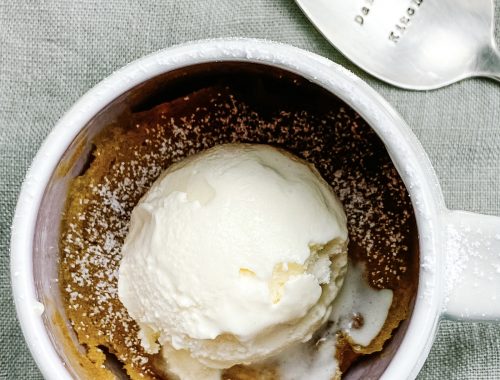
413, 44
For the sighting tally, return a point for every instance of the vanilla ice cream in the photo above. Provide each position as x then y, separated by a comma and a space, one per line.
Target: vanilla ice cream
233, 255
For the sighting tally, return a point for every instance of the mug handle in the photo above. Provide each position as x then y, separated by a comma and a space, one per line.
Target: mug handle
472, 266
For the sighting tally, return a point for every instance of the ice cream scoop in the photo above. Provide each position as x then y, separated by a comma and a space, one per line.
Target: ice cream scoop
233, 255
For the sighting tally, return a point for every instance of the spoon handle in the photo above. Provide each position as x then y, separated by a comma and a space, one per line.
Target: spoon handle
489, 63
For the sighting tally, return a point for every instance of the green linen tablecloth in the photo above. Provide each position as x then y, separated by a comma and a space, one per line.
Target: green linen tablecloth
52, 52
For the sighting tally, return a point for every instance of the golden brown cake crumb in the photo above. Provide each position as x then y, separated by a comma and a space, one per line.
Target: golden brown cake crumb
128, 158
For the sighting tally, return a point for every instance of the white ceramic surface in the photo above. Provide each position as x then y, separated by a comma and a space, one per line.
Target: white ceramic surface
459, 252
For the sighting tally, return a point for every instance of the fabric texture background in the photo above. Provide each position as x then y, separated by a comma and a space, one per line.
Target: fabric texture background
52, 52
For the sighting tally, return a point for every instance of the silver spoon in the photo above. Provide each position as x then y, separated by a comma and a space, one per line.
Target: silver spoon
413, 44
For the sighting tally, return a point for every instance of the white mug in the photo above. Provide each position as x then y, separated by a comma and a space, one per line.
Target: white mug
459, 274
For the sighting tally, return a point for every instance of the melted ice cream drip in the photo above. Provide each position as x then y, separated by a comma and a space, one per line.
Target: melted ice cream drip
359, 311
312, 360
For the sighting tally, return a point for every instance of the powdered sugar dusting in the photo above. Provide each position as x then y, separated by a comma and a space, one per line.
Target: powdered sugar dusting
472, 266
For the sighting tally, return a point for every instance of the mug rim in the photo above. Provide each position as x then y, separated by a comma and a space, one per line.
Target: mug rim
405, 150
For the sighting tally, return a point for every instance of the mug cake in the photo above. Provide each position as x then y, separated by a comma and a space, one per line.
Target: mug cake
304, 172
